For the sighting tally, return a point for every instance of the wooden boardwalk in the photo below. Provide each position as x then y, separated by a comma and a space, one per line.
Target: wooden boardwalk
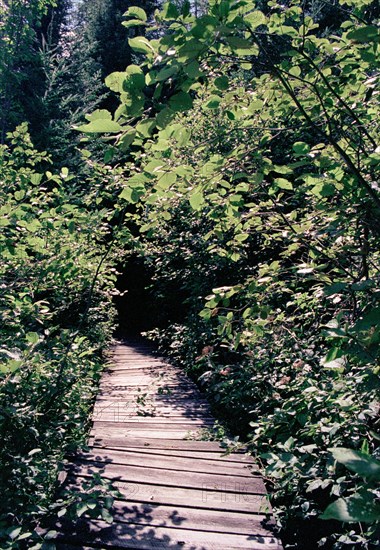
176, 491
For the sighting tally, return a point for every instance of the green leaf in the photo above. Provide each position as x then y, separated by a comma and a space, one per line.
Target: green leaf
137, 13
360, 507
190, 50
141, 44
213, 102
99, 114
146, 127
301, 148
370, 319
181, 135
221, 82
204, 27
134, 80
369, 33
255, 105
36, 179
332, 354
108, 155
196, 200
164, 117
127, 139
132, 23
255, 19
193, 69
114, 82
295, 71
166, 73
362, 464
107, 516
169, 11
131, 195
282, 183
181, 102
32, 337
154, 167
241, 46
10, 366
167, 180
100, 126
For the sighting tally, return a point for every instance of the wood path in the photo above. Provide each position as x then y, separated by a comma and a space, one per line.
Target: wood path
176, 491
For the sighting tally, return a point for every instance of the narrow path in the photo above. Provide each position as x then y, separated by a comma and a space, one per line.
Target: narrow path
177, 490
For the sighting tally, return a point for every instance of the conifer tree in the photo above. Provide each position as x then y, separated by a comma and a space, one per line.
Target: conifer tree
21, 79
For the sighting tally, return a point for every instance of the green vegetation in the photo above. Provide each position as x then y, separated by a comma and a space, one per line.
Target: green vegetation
243, 156
56, 277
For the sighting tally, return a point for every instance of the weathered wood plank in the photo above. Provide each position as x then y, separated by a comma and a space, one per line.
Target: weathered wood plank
160, 409
170, 478
137, 431
122, 417
137, 536
143, 386
187, 464
126, 392
168, 443
149, 423
240, 523
165, 454
237, 499
163, 400
118, 415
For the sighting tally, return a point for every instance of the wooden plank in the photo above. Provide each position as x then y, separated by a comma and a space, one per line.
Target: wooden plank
237, 499
167, 405
164, 400
126, 392
198, 519
170, 478
126, 383
148, 423
143, 379
133, 392
135, 536
161, 419
163, 408
148, 410
167, 402
165, 454
169, 444
185, 463
145, 433
120, 416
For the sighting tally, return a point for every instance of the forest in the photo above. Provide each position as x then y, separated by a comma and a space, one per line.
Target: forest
205, 173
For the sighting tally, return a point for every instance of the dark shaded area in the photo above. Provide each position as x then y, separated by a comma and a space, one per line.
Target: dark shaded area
136, 310
146, 303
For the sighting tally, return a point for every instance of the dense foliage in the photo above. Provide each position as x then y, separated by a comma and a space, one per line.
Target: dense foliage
241, 162
56, 280
253, 144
